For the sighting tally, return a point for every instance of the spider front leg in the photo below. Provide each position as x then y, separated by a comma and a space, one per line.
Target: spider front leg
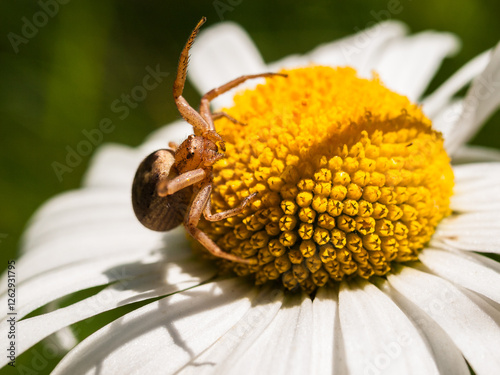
228, 213
173, 145
212, 94
187, 112
192, 219
220, 114
170, 186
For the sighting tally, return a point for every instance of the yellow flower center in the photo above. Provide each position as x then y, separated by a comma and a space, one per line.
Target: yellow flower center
351, 178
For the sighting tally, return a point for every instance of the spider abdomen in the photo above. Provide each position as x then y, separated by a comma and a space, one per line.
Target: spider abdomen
155, 212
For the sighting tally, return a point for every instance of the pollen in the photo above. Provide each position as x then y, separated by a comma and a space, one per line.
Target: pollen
351, 179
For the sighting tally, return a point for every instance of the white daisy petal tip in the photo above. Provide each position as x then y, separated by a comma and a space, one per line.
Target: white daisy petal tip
443, 94
481, 101
408, 63
358, 50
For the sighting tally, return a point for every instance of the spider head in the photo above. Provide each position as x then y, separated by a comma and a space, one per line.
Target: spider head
195, 152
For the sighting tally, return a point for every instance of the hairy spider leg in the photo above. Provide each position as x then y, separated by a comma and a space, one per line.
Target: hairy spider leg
212, 94
221, 114
170, 186
187, 112
228, 213
173, 145
198, 206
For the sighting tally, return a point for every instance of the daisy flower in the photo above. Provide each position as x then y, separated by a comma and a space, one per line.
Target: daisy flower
367, 241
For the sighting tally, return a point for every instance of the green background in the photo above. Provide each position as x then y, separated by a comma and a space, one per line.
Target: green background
89, 53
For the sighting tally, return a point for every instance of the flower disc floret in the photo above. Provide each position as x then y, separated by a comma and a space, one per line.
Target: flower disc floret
350, 177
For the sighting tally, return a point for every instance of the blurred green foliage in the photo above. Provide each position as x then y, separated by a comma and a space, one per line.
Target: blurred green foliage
62, 79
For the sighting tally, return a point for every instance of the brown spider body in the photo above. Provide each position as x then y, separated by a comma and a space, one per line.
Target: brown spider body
154, 212
165, 213
174, 186
196, 152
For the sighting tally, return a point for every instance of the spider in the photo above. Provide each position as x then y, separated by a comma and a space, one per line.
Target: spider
173, 186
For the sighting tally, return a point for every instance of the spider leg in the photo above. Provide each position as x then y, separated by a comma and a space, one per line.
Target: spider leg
212, 94
173, 145
228, 213
187, 112
170, 186
191, 224
220, 114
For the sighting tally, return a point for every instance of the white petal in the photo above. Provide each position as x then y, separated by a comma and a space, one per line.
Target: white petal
445, 119
157, 279
290, 62
85, 224
233, 345
485, 261
489, 306
221, 53
378, 336
463, 270
476, 187
449, 359
112, 166
481, 101
475, 154
115, 165
175, 132
408, 64
284, 346
70, 278
478, 231
472, 330
75, 209
327, 352
405, 64
360, 50
436, 101
47, 287
65, 339
475, 172
161, 337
